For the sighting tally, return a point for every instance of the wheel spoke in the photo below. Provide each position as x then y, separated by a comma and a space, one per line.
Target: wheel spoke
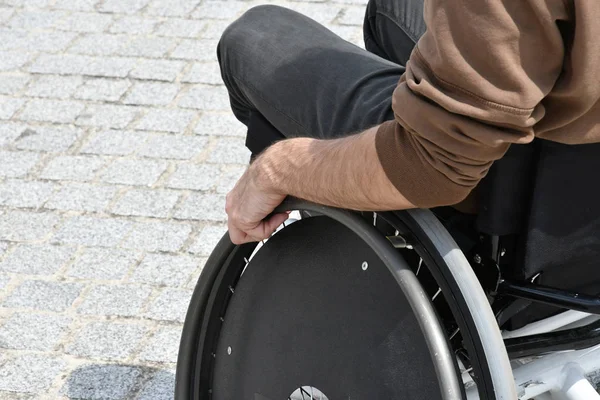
454, 333
419, 267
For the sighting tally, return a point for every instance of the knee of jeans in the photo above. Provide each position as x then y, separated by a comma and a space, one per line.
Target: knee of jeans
244, 29
245, 32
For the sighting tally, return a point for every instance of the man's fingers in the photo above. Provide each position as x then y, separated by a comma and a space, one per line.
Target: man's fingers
237, 236
276, 220
266, 228
260, 232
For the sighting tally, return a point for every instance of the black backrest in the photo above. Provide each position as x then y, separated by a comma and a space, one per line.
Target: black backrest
548, 195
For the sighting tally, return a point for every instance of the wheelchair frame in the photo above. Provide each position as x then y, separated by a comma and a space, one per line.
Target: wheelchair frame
546, 363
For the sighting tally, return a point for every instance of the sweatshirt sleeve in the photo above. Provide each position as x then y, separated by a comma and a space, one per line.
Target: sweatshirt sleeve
474, 84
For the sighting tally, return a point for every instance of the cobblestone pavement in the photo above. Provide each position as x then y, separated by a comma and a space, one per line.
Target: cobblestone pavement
116, 151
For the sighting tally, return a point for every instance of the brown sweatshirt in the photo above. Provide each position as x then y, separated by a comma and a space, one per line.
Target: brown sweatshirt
485, 75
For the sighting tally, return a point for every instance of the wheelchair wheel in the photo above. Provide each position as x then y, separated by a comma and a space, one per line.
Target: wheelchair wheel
313, 312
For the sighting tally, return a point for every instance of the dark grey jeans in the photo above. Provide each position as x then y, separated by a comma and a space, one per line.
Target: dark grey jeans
307, 81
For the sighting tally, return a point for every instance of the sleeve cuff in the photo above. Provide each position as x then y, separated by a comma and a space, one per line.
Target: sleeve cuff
417, 180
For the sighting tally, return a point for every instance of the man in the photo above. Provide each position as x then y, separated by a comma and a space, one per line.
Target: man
445, 88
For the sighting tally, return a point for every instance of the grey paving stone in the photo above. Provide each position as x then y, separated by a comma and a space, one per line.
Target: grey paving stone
157, 236
13, 83
62, 111
217, 10
43, 295
172, 8
49, 42
159, 70
9, 131
10, 60
76, 5
170, 305
85, 22
70, 64
205, 97
102, 89
231, 175
103, 263
28, 3
16, 164
99, 44
151, 47
107, 116
219, 124
48, 138
230, 151
111, 67
166, 119
25, 226
122, 7
113, 142
102, 382
203, 207
146, 203
322, 13
36, 259
38, 332
180, 28
24, 194
62, 64
151, 93
121, 300
81, 197
176, 147
30, 373
73, 168
134, 24
134, 172
201, 50
207, 240
92, 231
164, 346
215, 29
6, 14
165, 269
60, 87
160, 387
107, 340
194, 177
208, 73
35, 19
195, 276
353, 15
9, 106
361, 2
12, 39
4, 280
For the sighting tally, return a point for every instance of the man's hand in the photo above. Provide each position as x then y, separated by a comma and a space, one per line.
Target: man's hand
343, 173
249, 202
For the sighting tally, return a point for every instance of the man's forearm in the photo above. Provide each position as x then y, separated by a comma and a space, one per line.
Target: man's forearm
342, 172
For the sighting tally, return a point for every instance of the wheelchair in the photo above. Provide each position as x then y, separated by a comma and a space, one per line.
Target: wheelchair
418, 304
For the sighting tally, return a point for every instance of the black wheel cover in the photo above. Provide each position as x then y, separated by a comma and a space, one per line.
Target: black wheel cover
306, 313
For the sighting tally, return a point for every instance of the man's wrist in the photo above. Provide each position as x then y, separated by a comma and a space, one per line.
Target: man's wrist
265, 169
